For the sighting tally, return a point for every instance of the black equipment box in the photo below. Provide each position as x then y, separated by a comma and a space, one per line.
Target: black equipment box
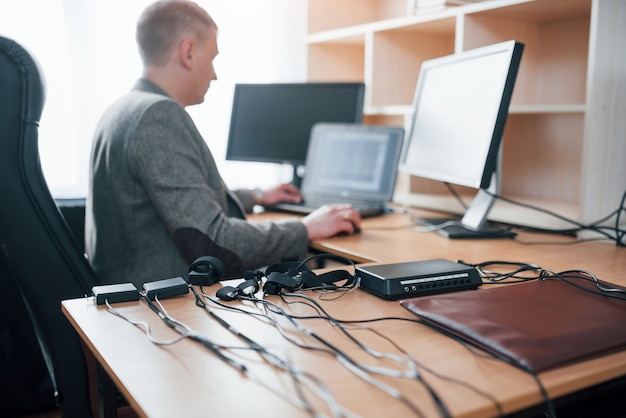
417, 278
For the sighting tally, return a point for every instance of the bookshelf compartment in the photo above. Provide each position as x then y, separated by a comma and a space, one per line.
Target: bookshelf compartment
397, 58
562, 143
542, 156
336, 61
553, 70
335, 14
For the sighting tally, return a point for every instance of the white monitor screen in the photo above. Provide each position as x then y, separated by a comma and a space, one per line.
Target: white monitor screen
460, 108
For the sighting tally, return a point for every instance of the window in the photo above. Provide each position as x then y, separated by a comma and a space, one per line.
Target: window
88, 54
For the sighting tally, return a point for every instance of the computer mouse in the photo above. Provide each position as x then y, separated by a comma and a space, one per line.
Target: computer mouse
343, 233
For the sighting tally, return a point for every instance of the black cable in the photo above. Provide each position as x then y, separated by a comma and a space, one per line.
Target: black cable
380, 319
454, 193
144, 325
266, 354
493, 277
594, 226
176, 326
620, 233
214, 348
277, 310
559, 243
271, 320
604, 289
420, 365
436, 399
514, 275
350, 284
328, 348
492, 356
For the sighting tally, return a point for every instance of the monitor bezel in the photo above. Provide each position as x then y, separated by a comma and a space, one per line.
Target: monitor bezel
295, 161
474, 223
490, 165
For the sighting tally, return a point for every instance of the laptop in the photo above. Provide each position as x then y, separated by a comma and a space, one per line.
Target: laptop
349, 163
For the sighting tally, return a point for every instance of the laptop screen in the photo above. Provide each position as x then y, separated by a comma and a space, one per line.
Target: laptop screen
351, 161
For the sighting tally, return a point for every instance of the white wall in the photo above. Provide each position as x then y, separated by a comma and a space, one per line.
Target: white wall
88, 54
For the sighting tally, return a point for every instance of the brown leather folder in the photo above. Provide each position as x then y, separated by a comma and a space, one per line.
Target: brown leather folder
538, 325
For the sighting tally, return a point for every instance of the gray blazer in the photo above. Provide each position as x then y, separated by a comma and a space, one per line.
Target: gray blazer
157, 201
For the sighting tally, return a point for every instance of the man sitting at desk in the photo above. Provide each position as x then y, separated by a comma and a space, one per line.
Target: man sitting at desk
157, 200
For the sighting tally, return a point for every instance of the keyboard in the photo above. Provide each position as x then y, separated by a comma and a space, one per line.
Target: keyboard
365, 209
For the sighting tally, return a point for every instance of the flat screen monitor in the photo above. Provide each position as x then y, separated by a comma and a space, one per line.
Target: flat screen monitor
459, 113
272, 122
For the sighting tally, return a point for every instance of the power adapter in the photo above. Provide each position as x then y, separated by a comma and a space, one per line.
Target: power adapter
166, 288
113, 293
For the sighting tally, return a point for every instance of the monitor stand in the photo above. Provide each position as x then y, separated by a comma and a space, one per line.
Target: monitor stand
474, 223
460, 231
298, 175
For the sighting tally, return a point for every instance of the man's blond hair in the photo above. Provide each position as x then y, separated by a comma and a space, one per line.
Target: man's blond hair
164, 23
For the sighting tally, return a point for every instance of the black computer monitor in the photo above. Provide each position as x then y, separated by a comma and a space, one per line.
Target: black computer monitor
460, 109
272, 122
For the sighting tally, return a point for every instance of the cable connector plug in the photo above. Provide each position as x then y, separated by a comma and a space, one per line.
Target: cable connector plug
166, 288
114, 293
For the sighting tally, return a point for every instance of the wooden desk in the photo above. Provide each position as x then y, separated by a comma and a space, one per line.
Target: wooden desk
390, 239
185, 379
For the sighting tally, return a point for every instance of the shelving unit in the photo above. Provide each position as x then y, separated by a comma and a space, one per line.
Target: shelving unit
550, 130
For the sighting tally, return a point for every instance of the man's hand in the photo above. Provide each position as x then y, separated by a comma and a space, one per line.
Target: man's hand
330, 220
281, 193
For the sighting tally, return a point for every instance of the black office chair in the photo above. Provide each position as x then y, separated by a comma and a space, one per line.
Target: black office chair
43, 255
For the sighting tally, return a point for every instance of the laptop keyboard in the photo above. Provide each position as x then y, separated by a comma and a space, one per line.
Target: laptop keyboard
365, 209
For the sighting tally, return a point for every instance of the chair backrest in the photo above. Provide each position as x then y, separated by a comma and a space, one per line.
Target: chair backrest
42, 253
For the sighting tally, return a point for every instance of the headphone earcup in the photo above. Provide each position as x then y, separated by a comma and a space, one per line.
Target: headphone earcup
227, 293
248, 287
277, 281
205, 271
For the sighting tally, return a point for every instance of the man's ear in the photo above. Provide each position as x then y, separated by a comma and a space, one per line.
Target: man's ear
186, 50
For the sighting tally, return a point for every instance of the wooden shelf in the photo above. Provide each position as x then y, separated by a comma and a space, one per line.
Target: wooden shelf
530, 212
557, 141
401, 110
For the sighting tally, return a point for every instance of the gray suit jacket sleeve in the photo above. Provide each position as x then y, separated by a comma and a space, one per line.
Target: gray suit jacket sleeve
181, 179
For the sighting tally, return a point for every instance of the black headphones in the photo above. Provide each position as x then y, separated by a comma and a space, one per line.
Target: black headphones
296, 276
205, 271
248, 287
288, 276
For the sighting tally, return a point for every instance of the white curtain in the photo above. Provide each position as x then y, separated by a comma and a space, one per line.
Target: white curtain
88, 53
